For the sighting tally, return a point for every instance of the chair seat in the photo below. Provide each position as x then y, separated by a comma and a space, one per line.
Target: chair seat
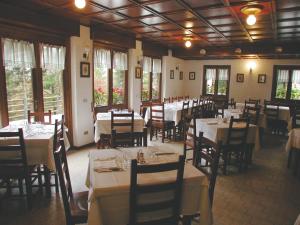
79, 207
14, 171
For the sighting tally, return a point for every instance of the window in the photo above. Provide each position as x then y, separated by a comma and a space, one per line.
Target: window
53, 63
216, 80
151, 79
24, 76
110, 77
286, 83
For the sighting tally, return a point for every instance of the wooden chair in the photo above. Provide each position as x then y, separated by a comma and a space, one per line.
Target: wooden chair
180, 98
75, 204
236, 142
194, 109
187, 97
15, 165
254, 101
33, 117
231, 104
124, 121
190, 138
252, 113
219, 108
138, 191
167, 100
271, 112
184, 118
174, 99
206, 159
294, 153
250, 104
296, 117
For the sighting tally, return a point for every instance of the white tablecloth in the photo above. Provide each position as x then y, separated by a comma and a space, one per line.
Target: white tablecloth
216, 130
109, 191
38, 142
294, 140
103, 124
172, 111
236, 113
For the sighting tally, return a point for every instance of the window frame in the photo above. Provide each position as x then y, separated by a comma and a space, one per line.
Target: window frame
110, 77
217, 68
151, 81
287, 99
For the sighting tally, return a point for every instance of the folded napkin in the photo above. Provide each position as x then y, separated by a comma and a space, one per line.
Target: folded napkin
107, 166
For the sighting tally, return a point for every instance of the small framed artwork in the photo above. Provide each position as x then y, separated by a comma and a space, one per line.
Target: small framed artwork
171, 74
84, 69
138, 72
262, 78
192, 75
240, 77
181, 75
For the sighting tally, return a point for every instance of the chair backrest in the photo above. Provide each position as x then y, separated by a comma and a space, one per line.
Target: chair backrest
255, 101
231, 104
124, 122
194, 109
252, 113
187, 97
174, 99
185, 110
180, 98
189, 137
99, 109
250, 104
143, 108
271, 110
17, 149
237, 133
138, 191
167, 100
206, 158
37, 116
157, 113
62, 169
58, 132
296, 117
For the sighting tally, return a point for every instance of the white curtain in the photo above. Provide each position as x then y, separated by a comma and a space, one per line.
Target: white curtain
102, 58
53, 57
156, 65
18, 54
211, 74
296, 76
147, 64
120, 61
223, 74
283, 76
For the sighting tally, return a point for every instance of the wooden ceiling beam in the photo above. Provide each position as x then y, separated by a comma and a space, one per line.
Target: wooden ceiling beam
201, 18
274, 18
236, 17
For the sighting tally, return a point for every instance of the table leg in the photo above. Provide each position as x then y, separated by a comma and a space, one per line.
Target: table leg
47, 181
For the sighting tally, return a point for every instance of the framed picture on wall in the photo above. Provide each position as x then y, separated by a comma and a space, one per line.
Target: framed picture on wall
84, 69
138, 72
262, 78
192, 75
171, 74
240, 77
181, 75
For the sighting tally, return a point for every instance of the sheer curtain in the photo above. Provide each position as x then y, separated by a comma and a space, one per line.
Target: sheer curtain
120, 61
156, 65
283, 76
102, 57
147, 64
53, 57
211, 74
296, 76
18, 54
223, 74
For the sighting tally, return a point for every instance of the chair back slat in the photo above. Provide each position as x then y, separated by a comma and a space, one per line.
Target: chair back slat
238, 131
167, 100
138, 191
189, 137
252, 113
58, 132
39, 117
295, 114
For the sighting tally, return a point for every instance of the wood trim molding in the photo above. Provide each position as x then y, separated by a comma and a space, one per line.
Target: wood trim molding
3, 92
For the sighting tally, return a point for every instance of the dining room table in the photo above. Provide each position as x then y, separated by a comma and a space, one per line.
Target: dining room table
103, 124
108, 180
216, 130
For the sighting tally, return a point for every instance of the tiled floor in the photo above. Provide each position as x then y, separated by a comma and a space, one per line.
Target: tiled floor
267, 194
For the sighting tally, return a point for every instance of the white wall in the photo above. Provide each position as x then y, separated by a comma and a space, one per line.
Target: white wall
172, 87
83, 132
239, 91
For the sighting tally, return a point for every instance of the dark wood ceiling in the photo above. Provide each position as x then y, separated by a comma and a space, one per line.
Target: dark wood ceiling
208, 23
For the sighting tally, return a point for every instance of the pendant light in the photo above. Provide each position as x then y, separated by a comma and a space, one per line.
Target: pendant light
80, 4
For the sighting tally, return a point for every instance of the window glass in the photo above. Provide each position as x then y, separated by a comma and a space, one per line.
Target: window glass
155, 86
146, 86
210, 81
222, 81
295, 92
282, 84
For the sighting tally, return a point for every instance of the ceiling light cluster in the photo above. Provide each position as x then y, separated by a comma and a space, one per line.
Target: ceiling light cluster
251, 11
188, 43
80, 4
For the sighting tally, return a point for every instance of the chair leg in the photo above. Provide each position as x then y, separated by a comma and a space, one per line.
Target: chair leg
47, 181
20, 183
225, 157
40, 180
56, 183
289, 159
297, 163
163, 135
28, 192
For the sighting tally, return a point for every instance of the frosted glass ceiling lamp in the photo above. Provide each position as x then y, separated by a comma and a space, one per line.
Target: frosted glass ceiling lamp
80, 4
251, 11
188, 44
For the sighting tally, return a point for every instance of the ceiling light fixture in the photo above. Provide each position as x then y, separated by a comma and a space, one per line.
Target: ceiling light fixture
188, 44
80, 4
251, 11
202, 51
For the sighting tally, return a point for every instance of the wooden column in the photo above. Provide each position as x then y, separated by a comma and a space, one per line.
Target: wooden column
67, 82
3, 91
